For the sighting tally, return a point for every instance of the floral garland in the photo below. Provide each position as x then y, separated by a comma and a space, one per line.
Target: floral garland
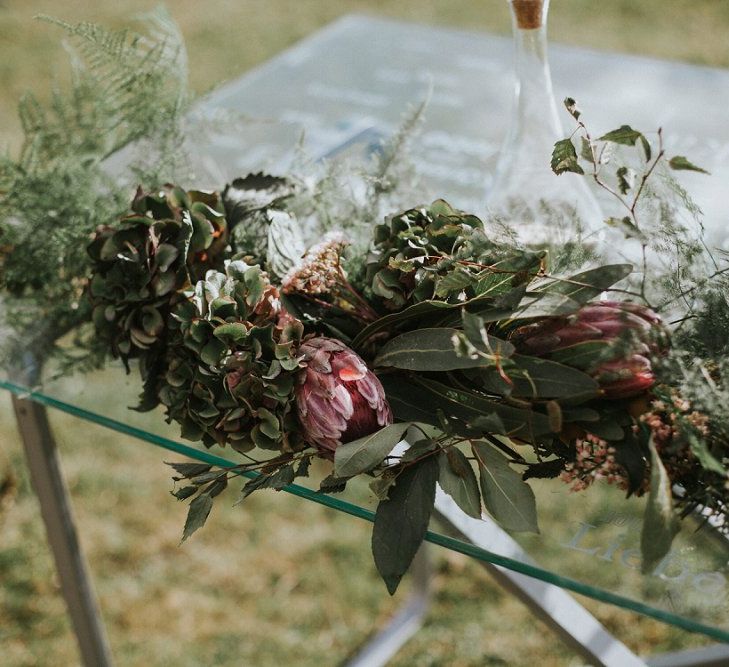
494, 362
435, 333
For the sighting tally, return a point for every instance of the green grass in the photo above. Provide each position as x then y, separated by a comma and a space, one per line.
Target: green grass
276, 580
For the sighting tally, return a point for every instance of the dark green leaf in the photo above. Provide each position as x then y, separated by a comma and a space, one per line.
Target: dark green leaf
626, 179
586, 150
189, 469
507, 497
365, 453
544, 469
419, 448
276, 481
332, 484
631, 455
607, 429
585, 356
185, 492
680, 163
624, 135
432, 350
401, 521
564, 158
197, 515
419, 399
533, 377
457, 479
659, 523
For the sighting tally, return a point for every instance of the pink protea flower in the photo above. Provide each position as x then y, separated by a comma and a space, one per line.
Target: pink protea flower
627, 370
606, 320
338, 398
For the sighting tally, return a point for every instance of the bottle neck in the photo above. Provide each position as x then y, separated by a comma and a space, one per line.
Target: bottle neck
534, 98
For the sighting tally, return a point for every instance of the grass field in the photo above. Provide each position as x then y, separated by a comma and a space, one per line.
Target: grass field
276, 580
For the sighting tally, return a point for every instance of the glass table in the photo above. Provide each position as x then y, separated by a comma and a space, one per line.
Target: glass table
350, 83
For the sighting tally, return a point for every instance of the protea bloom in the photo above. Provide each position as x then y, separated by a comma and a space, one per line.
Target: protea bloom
338, 398
625, 370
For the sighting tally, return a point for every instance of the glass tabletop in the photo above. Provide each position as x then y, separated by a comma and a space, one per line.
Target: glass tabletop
589, 543
373, 69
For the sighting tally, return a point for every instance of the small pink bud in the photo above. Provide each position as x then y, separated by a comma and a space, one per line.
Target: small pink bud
624, 378
338, 398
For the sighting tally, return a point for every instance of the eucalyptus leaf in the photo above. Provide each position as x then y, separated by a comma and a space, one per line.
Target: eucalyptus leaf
534, 377
506, 496
457, 479
401, 521
365, 453
419, 399
432, 350
584, 286
659, 523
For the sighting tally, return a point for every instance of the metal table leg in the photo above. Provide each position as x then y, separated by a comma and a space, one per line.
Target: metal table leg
406, 622
47, 479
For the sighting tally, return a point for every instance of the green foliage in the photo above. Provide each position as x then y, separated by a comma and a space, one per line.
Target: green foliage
140, 267
401, 520
127, 87
229, 370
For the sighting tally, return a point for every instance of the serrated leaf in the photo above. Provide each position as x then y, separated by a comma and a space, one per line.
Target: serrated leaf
453, 282
586, 150
624, 135
659, 523
680, 163
185, 492
365, 453
508, 498
564, 158
457, 479
401, 521
432, 350
276, 481
189, 469
197, 515
332, 484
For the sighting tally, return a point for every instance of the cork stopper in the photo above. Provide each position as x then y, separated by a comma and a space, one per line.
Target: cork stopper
529, 13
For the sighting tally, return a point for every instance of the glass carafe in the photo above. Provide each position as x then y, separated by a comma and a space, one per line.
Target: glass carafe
539, 206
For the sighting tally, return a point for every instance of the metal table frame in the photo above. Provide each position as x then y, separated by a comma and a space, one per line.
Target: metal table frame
571, 622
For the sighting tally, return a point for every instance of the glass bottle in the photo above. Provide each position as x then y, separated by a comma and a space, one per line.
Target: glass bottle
538, 205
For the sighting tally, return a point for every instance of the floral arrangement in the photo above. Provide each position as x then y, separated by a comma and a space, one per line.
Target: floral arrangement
418, 348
